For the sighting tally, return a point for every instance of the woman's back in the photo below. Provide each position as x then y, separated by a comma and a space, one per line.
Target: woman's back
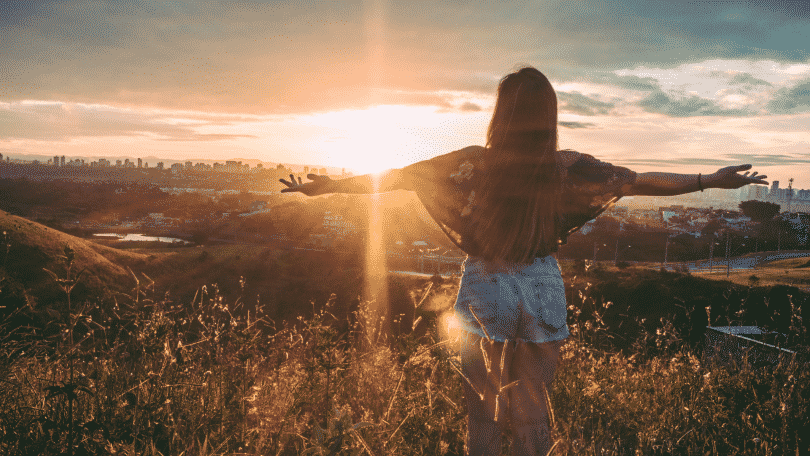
449, 186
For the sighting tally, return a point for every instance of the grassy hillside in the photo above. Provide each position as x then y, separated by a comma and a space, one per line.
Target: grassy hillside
28, 247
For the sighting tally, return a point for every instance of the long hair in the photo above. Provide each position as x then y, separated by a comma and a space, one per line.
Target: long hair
518, 215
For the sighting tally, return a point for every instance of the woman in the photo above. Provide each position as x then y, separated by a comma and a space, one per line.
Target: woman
509, 206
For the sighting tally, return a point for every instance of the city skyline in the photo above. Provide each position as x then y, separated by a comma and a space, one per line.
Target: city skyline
669, 86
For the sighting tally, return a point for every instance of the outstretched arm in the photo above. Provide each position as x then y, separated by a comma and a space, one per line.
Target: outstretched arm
386, 181
669, 184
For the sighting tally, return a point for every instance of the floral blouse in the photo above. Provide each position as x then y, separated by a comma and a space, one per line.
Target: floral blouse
446, 185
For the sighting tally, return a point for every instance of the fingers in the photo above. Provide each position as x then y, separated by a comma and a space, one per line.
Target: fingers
299, 181
744, 167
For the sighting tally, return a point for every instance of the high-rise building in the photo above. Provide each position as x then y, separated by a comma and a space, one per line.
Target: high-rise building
55, 160
140, 163
62, 160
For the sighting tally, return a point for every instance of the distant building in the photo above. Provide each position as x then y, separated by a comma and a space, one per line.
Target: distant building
218, 167
306, 169
234, 166
257, 205
774, 193
280, 167
118, 163
336, 226
62, 160
177, 168
55, 160
103, 162
140, 163
322, 171
160, 165
189, 165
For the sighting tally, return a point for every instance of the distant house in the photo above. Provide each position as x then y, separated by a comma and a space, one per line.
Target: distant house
257, 205
337, 226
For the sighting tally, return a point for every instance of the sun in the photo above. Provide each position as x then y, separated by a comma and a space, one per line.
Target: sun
377, 138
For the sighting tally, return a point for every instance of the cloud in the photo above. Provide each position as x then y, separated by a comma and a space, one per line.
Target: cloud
660, 102
469, 107
576, 124
289, 56
56, 121
631, 82
770, 159
578, 103
674, 162
748, 79
791, 100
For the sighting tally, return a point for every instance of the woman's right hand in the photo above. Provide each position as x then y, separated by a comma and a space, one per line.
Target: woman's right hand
314, 188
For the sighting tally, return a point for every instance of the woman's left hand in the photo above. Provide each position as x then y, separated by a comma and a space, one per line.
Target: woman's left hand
729, 177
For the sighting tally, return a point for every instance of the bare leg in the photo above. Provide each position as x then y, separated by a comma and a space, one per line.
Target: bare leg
534, 366
483, 430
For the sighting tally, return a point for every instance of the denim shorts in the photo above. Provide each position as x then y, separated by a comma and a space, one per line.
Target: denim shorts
512, 300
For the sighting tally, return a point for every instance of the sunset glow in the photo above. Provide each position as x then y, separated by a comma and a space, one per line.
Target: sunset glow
384, 137
376, 85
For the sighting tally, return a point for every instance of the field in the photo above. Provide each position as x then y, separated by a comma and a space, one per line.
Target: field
155, 373
793, 271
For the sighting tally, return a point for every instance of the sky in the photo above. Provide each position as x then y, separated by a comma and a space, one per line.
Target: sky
677, 86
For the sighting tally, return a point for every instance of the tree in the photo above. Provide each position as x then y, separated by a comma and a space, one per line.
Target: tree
759, 211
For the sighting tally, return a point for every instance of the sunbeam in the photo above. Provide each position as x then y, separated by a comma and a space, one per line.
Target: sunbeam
376, 285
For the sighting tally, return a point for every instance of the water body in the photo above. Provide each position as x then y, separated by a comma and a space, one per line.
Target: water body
141, 238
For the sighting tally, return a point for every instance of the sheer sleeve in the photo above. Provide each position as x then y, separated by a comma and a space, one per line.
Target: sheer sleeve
591, 187
444, 185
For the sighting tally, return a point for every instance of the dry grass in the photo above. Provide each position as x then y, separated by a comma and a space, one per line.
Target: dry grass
215, 377
781, 272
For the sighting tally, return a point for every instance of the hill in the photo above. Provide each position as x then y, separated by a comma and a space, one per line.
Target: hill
28, 248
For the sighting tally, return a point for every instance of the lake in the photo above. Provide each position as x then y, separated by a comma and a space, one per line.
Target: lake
141, 238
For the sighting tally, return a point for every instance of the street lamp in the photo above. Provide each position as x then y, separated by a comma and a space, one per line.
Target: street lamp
711, 253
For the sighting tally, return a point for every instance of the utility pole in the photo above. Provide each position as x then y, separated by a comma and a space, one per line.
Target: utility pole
728, 265
666, 251
711, 254
616, 254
